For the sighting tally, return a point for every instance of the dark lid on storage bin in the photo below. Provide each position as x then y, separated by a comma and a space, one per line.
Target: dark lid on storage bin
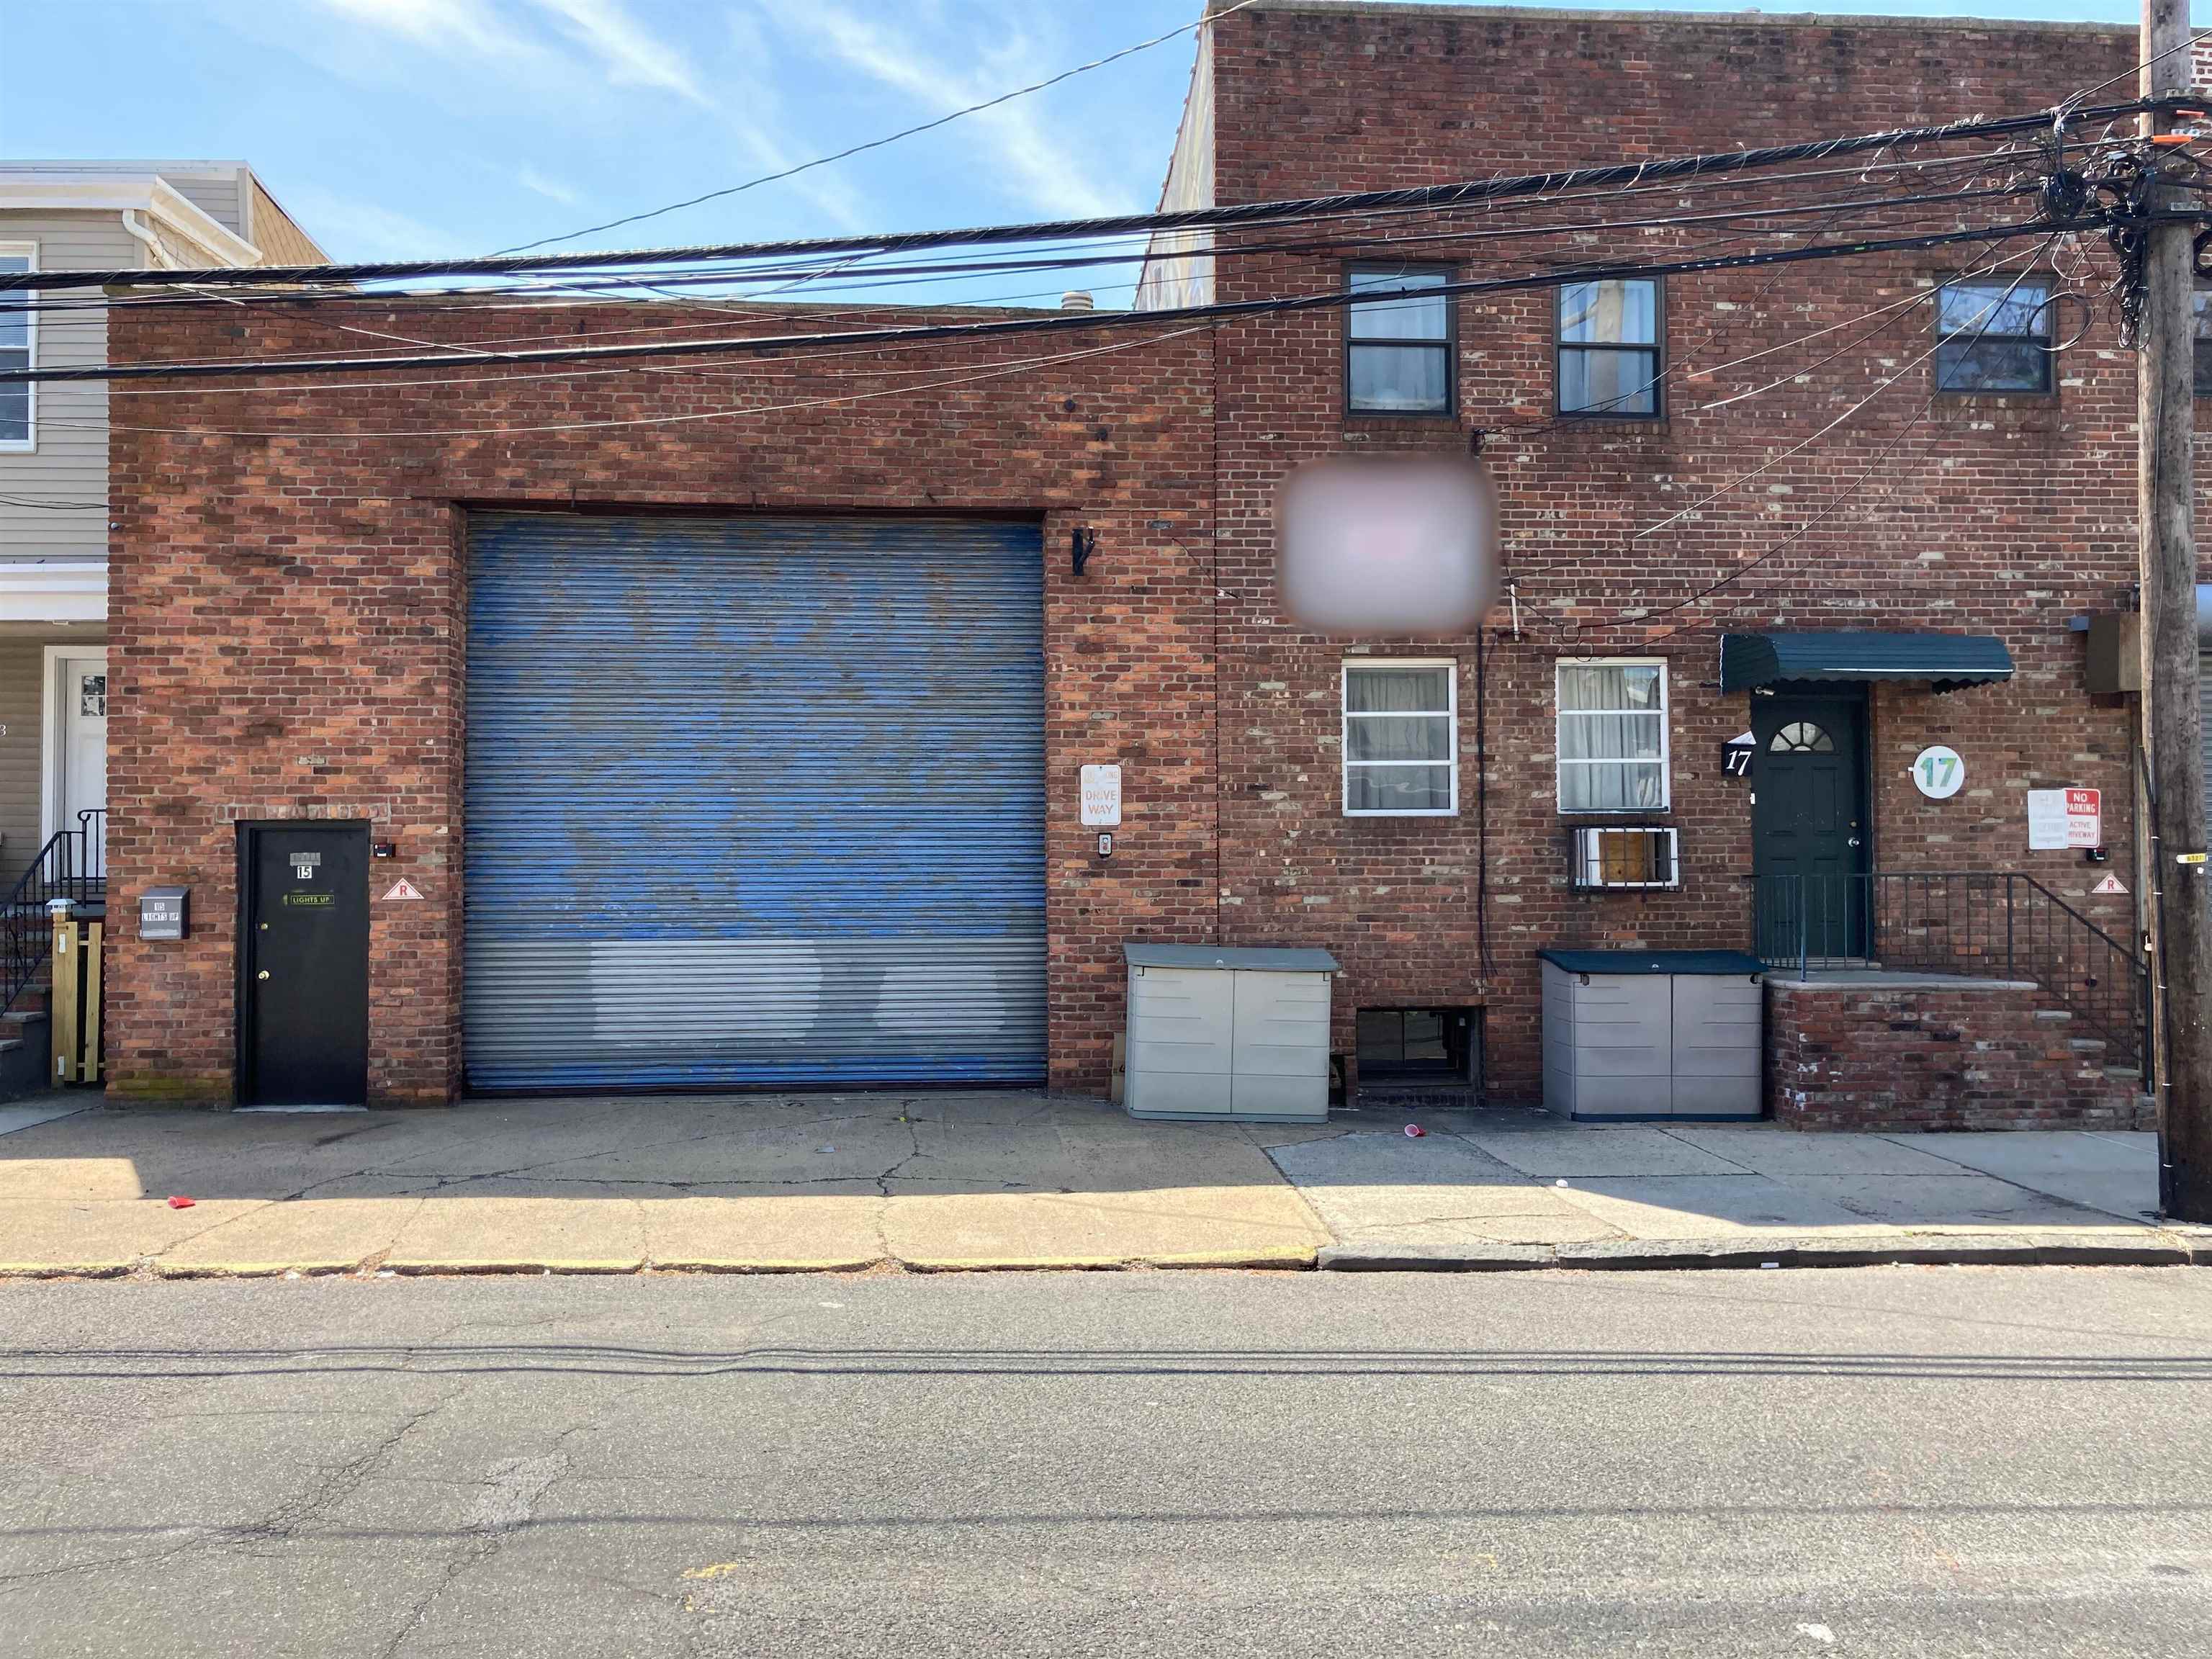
1265, 960
1653, 962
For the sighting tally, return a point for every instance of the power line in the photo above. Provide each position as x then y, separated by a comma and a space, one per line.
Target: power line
889, 138
293, 296
1841, 497
1463, 193
1275, 251
1056, 323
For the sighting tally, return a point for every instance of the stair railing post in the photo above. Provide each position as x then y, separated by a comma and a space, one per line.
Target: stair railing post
62, 1018
2008, 903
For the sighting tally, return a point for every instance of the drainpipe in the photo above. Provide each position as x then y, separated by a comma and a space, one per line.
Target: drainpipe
134, 221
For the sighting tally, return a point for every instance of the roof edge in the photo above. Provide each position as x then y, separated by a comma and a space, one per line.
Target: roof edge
1410, 9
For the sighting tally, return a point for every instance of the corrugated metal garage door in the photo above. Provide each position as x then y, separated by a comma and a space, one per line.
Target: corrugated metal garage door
754, 801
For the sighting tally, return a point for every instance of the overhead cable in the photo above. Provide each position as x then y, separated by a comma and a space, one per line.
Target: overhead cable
1462, 193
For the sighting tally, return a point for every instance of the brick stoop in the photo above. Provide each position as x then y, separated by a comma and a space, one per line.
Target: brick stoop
1902, 1052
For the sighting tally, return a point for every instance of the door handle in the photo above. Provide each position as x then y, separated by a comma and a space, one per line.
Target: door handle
264, 974
1851, 842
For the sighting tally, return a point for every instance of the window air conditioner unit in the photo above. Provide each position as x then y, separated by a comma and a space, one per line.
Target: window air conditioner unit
1641, 856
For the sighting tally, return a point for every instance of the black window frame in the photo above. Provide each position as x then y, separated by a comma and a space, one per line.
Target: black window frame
1448, 345
2046, 340
1656, 350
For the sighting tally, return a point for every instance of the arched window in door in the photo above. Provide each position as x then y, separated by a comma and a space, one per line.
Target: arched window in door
1802, 737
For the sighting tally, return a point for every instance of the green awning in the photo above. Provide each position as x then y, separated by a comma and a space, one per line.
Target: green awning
1943, 662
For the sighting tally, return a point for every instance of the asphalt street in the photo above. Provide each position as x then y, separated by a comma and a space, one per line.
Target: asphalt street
1901, 1460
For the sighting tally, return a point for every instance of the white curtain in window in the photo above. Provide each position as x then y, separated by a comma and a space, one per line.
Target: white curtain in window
1612, 738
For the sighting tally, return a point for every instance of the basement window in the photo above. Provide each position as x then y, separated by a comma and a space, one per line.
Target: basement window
1993, 336
1405, 1044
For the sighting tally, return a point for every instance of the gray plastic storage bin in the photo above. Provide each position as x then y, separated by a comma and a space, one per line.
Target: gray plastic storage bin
1653, 1034
1216, 1033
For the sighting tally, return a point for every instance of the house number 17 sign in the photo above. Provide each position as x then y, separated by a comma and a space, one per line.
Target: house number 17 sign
1938, 773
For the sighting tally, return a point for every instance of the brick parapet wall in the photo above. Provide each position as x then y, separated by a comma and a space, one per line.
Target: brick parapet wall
1974, 1054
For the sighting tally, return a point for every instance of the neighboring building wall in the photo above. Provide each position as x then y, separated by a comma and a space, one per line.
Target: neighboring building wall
40, 492
330, 570
280, 242
221, 194
1172, 275
2001, 515
22, 659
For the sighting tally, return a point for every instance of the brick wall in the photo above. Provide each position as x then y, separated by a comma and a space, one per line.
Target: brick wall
288, 589
1988, 515
1975, 1055
287, 570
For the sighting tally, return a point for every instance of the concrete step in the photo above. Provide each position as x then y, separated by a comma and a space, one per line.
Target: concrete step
2051, 1017
2087, 1045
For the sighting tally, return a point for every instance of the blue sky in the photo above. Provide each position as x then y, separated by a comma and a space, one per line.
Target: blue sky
398, 127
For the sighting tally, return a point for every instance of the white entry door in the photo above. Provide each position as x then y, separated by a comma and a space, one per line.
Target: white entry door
77, 782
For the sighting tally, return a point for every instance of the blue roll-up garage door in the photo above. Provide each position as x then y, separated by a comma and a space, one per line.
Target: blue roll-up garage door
754, 801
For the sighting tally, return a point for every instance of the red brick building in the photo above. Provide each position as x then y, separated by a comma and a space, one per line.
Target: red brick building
294, 636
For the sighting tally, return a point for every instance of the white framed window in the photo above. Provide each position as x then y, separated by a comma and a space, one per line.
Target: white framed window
19, 349
1400, 739
1612, 747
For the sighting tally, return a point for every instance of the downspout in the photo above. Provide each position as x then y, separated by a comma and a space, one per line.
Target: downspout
134, 221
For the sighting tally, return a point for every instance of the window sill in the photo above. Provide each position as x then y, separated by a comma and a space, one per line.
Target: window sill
1399, 416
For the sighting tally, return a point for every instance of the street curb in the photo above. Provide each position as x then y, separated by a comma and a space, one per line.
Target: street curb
1433, 1258
423, 1267
740, 1265
1621, 1255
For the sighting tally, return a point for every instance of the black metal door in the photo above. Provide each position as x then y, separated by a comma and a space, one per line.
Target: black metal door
303, 964
1809, 830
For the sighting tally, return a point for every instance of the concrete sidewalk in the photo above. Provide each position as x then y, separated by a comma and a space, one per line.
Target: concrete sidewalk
1521, 1188
943, 1182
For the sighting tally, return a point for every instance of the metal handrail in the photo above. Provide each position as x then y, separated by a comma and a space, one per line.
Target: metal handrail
72, 866
1973, 921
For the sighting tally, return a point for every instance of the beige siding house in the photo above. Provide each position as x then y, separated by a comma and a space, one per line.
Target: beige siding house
83, 215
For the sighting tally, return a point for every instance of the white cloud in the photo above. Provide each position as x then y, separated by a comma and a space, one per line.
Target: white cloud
630, 53
552, 189
1032, 162
442, 25
353, 229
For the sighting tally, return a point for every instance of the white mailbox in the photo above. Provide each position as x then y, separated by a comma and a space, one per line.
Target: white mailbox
1221, 1033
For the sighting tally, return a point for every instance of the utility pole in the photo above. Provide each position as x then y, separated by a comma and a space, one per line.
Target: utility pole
2181, 881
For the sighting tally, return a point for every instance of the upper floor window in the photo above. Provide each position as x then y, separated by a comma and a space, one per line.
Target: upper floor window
16, 334
1993, 335
1610, 348
1613, 737
1398, 346
1400, 739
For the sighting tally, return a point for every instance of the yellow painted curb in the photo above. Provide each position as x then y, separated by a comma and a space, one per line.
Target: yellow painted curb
108, 1269
508, 1264
316, 1269
1012, 1264
1275, 1256
751, 1265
